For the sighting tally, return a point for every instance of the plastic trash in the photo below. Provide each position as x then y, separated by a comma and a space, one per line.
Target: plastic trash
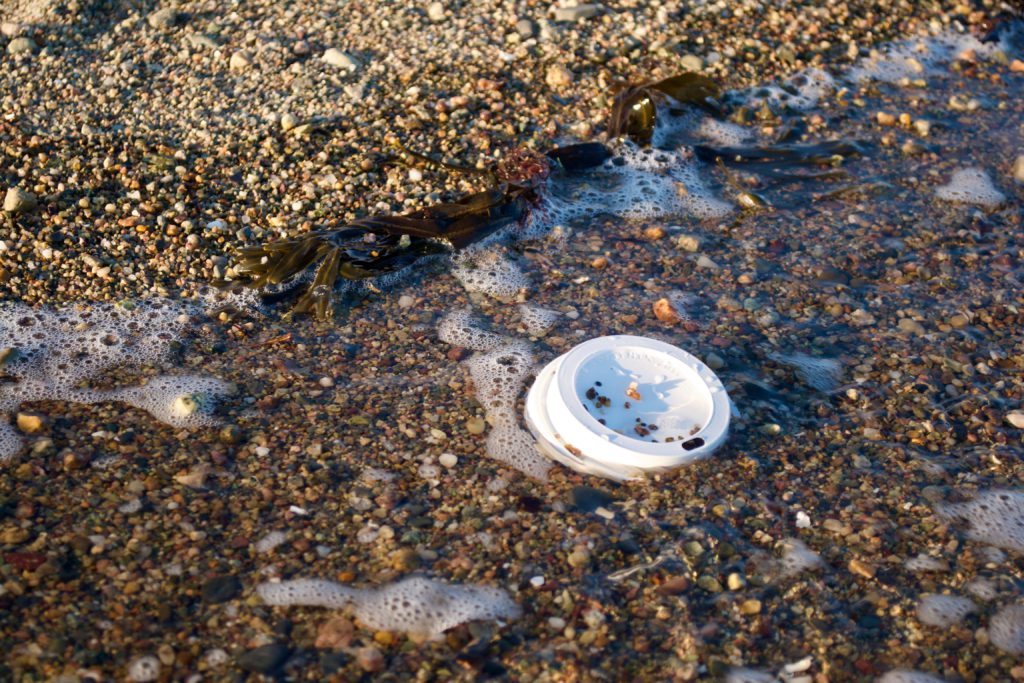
623, 406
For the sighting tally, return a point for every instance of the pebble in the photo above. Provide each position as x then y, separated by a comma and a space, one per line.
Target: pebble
202, 41
911, 326
435, 12
220, 589
714, 361
589, 499
240, 60
448, 460
31, 423
1016, 418
288, 121
579, 558
406, 301
690, 243
21, 45
340, 59
558, 76
709, 583
666, 312
525, 28
335, 634
691, 62
1018, 168
750, 607
577, 13
862, 568
163, 18
11, 29
18, 200
370, 659
264, 660
735, 582
476, 425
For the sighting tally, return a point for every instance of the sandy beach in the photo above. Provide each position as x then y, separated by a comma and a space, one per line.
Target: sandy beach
864, 312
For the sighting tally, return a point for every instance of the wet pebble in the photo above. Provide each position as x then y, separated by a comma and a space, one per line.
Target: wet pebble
21, 45
340, 59
577, 12
18, 200
265, 659
220, 589
558, 76
588, 499
1018, 168
163, 18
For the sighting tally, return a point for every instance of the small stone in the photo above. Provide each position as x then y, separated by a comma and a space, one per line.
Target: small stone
750, 607
525, 28
709, 583
735, 582
577, 13
11, 29
370, 659
1018, 168
654, 233
558, 76
21, 45
264, 660
588, 499
923, 127
674, 586
230, 435
862, 568
13, 535
406, 301
163, 18
475, 425
220, 589
691, 63
579, 558
343, 60
31, 423
448, 460
288, 121
202, 41
435, 12
599, 263
714, 361
1016, 418
911, 326
666, 312
240, 60
1017, 66
690, 243
335, 634
405, 559
18, 200
693, 549
885, 119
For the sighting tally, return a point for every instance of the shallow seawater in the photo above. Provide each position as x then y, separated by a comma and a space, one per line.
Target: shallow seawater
867, 329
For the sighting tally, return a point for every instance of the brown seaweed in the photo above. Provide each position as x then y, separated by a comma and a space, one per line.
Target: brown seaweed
635, 107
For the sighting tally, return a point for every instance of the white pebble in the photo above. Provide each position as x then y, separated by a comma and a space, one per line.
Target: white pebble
448, 460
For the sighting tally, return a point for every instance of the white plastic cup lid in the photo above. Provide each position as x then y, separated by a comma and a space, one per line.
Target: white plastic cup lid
621, 406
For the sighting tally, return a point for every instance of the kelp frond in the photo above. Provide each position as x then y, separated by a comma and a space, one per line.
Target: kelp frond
635, 107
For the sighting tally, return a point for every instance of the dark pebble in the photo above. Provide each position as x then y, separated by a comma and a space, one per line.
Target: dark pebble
587, 499
264, 659
221, 589
331, 662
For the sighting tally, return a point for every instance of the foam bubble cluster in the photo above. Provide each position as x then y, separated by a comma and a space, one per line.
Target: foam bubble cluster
415, 605
970, 186
919, 57
487, 272
50, 353
498, 372
908, 676
800, 92
1006, 629
537, 320
993, 517
144, 669
944, 611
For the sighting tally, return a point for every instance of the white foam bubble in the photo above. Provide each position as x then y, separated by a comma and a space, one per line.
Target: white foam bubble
49, 353
926, 563
970, 186
537, 320
908, 676
459, 328
994, 517
486, 271
416, 605
944, 611
801, 91
1006, 629
919, 57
